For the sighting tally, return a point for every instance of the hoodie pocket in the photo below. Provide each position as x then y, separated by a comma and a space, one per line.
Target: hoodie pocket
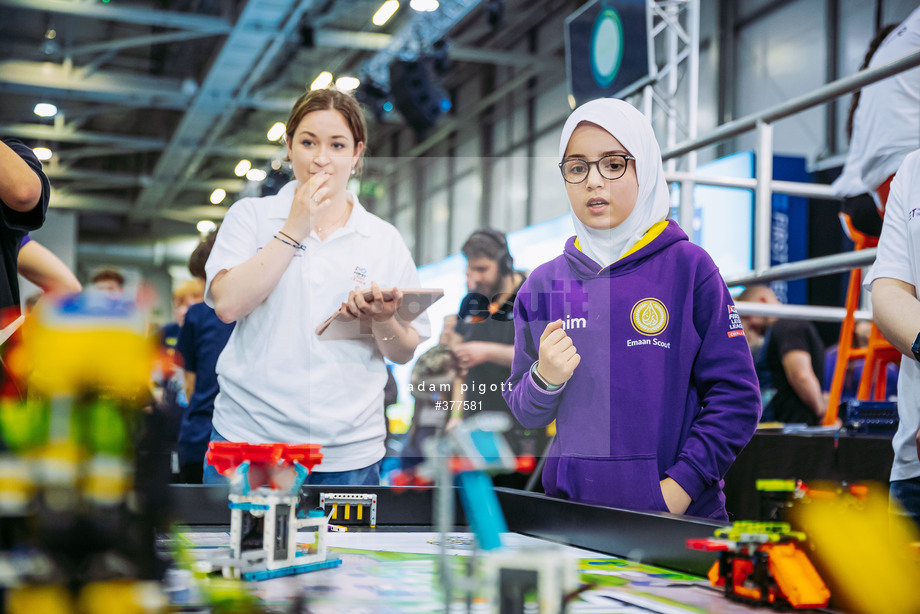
628, 482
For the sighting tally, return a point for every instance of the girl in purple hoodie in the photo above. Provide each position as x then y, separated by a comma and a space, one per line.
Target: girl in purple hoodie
630, 339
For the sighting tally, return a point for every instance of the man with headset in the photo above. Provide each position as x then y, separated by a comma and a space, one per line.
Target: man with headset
482, 335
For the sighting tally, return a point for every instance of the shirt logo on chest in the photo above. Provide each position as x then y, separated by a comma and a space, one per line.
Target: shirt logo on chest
360, 275
649, 316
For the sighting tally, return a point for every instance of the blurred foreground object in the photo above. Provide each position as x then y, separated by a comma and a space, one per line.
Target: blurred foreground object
78, 515
864, 549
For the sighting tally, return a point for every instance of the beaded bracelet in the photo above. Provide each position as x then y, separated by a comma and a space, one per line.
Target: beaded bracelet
300, 247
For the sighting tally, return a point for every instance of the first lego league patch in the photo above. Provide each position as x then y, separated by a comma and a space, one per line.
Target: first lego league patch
735, 329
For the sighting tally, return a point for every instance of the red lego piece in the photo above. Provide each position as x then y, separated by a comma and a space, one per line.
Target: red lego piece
525, 463
227, 455
707, 544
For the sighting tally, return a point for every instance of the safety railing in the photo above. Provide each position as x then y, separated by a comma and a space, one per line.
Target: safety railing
764, 187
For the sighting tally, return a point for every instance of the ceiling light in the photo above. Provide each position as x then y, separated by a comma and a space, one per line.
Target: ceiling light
256, 174
322, 81
217, 196
205, 226
276, 131
385, 11
424, 6
242, 168
45, 109
346, 84
42, 153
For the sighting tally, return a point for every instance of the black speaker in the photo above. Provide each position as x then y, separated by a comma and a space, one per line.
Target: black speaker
374, 98
417, 93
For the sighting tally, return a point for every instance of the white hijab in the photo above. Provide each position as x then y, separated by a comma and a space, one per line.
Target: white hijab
653, 203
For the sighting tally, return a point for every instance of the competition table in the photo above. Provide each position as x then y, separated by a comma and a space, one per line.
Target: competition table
808, 456
376, 577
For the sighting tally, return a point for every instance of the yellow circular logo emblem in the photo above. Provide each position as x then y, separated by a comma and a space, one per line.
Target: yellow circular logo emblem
649, 316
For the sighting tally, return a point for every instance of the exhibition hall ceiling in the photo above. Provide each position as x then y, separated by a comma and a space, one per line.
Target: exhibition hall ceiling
159, 101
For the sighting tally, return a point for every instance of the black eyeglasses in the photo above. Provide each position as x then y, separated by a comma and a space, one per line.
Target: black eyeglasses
575, 170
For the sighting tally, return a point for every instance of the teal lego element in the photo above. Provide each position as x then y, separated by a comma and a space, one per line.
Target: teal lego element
302, 473
480, 504
316, 514
247, 506
268, 574
241, 478
486, 445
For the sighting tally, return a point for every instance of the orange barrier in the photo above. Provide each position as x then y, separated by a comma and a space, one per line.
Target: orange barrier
877, 354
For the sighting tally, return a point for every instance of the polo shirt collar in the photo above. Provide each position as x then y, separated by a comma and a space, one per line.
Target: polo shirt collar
280, 207
360, 219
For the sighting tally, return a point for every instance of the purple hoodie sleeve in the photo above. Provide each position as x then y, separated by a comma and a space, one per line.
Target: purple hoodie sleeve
728, 390
531, 405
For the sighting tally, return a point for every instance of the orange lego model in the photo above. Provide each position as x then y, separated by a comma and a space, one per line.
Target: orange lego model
761, 563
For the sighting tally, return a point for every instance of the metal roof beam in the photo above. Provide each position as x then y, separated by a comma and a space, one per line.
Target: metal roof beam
420, 33
70, 155
344, 39
62, 199
258, 36
65, 135
122, 88
150, 17
374, 41
111, 178
139, 41
267, 152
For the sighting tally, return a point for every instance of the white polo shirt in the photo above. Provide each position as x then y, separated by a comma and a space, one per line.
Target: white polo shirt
887, 120
279, 382
899, 258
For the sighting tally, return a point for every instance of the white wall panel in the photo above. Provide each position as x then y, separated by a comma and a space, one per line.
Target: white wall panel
519, 117
856, 30
778, 58
552, 106
509, 191
436, 216
466, 156
436, 175
465, 216
895, 11
58, 234
549, 198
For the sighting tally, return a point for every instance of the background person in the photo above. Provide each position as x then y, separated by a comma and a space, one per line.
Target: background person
790, 359
184, 296
201, 340
24, 194
109, 281
42, 267
894, 281
483, 339
886, 124
858, 204
280, 265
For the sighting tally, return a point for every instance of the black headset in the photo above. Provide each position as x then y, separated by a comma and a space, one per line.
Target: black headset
505, 261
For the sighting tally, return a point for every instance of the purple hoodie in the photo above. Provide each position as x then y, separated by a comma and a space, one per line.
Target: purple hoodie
666, 384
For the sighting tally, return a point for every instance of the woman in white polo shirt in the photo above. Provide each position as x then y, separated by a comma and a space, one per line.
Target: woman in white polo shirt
280, 265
